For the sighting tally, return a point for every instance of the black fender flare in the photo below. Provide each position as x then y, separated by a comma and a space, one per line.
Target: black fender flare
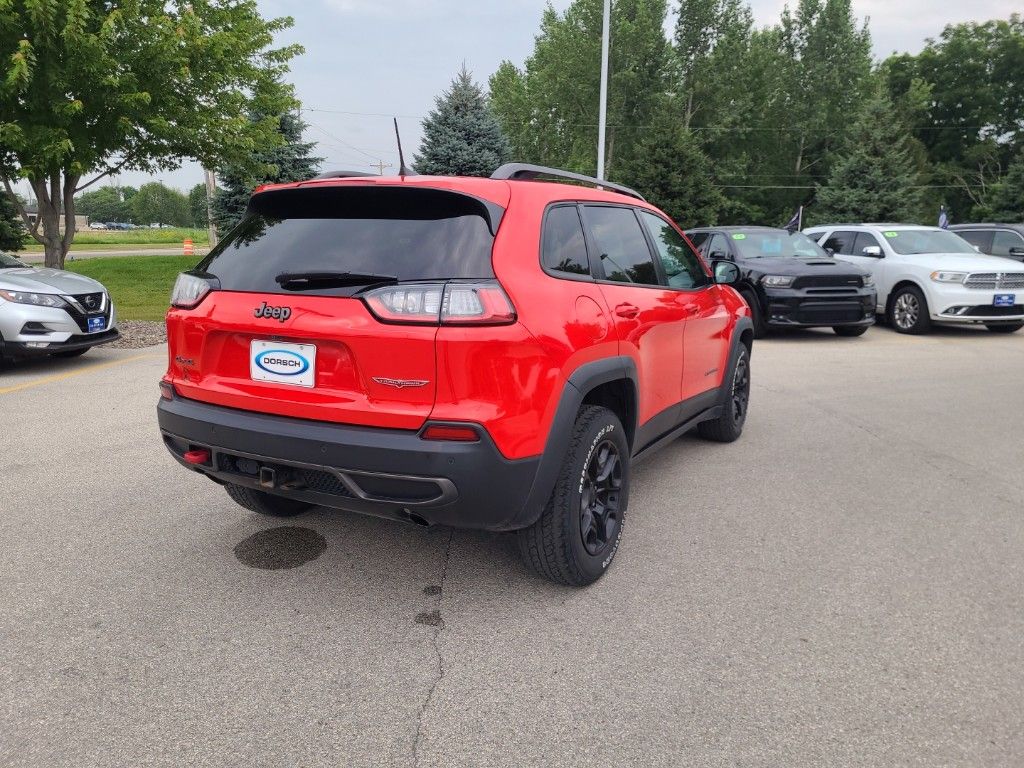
579, 383
743, 324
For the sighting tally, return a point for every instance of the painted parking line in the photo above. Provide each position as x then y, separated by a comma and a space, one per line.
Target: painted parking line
76, 372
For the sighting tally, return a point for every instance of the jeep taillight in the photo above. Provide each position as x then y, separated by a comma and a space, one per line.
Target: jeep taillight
481, 303
189, 290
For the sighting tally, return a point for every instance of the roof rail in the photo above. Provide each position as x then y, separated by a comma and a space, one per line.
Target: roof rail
343, 175
527, 172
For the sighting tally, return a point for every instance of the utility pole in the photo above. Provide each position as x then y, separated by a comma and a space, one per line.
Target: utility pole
211, 188
603, 110
380, 165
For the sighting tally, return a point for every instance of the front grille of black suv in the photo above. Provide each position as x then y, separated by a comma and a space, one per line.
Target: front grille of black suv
829, 281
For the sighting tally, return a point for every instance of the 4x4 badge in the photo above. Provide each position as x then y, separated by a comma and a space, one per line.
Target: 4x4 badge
399, 383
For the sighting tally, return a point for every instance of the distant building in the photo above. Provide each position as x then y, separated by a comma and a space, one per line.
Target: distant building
81, 222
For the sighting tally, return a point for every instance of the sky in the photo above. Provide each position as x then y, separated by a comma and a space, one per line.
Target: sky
366, 60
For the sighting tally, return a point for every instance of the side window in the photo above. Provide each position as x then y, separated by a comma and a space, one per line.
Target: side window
621, 245
862, 241
717, 247
698, 238
979, 238
1004, 240
840, 242
682, 267
563, 247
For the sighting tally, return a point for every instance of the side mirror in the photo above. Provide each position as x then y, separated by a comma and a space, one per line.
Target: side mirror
719, 256
830, 251
1017, 250
874, 251
726, 273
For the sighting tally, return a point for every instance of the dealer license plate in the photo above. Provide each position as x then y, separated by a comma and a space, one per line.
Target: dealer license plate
96, 324
1004, 299
283, 363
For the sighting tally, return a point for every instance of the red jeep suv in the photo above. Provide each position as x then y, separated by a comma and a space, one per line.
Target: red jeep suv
481, 353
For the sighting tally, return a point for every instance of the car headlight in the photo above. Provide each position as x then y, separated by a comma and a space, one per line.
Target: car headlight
777, 281
36, 299
868, 281
949, 277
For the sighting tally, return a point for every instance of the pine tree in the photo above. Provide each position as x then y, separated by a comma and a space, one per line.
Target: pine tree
673, 173
289, 162
875, 177
12, 233
461, 137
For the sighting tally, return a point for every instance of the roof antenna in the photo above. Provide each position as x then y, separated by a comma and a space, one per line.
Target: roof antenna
403, 170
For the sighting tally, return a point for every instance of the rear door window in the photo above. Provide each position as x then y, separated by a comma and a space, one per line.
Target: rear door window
621, 246
410, 233
563, 245
841, 242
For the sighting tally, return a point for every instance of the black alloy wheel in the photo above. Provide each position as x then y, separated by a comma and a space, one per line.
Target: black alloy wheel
599, 500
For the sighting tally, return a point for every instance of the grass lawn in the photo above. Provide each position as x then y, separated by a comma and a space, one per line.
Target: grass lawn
139, 285
87, 239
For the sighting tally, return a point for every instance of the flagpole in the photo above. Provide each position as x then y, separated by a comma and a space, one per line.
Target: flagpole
602, 112
800, 218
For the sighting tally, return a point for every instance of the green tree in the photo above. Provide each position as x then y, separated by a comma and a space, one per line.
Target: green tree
288, 158
106, 205
93, 87
12, 233
159, 204
875, 176
1007, 200
549, 108
197, 205
461, 137
673, 173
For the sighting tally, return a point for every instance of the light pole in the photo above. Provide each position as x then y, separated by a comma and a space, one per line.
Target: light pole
602, 115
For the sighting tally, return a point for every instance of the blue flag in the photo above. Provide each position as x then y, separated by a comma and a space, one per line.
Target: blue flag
794, 224
943, 217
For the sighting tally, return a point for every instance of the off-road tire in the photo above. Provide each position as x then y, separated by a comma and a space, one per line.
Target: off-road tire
729, 426
1005, 327
850, 330
554, 546
922, 322
266, 503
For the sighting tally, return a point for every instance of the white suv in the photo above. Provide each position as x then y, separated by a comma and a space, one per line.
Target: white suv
929, 275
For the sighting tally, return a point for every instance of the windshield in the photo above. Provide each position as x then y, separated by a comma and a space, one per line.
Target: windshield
9, 262
911, 241
324, 238
777, 243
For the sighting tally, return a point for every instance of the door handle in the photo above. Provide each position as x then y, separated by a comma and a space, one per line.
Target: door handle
627, 310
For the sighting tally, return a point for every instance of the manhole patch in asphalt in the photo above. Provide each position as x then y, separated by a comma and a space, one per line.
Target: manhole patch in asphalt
275, 549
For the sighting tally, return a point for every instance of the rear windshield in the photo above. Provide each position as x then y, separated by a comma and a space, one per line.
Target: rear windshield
405, 233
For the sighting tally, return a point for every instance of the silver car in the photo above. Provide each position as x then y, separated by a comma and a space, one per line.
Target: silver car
51, 312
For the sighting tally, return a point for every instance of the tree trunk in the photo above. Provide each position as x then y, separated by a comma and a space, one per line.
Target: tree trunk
53, 200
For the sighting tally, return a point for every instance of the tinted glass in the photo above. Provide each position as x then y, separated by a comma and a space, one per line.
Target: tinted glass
716, 247
682, 268
841, 242
776, 243
864, 240
698, 238
408, 233
1003, 240
621, 244
980, 238
564, 248
911, 241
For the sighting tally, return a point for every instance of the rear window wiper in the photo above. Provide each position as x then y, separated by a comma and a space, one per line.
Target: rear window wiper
297, 281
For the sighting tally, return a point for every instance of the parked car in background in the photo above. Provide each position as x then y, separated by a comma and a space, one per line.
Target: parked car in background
789, 281
51, 312
382, 345
97, 225
929, 275
994, 239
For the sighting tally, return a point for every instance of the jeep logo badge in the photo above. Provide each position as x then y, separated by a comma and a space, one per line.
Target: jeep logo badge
277, 313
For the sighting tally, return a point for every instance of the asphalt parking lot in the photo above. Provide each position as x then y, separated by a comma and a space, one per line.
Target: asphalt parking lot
844, 586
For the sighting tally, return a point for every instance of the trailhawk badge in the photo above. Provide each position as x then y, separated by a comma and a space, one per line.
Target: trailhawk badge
400, 383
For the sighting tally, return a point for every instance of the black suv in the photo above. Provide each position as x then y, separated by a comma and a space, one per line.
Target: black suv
994, 239
789, 281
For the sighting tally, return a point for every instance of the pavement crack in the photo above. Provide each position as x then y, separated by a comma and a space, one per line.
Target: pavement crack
438, 627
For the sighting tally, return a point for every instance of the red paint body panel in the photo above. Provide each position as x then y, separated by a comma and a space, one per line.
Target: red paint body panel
506, 378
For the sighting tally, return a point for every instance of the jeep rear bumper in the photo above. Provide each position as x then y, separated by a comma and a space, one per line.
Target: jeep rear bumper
382, 472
